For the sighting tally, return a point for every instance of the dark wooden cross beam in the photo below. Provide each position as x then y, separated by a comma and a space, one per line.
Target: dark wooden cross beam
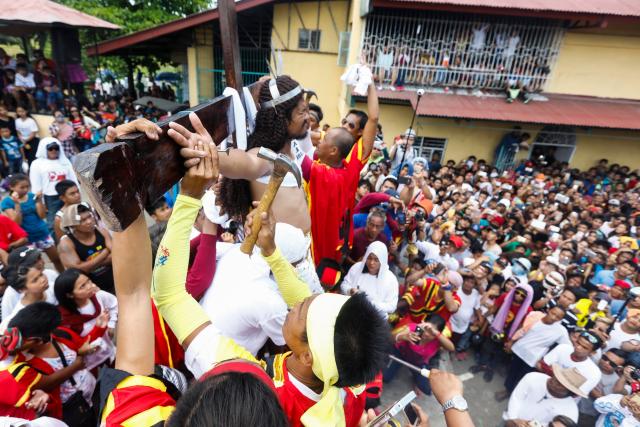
122, 178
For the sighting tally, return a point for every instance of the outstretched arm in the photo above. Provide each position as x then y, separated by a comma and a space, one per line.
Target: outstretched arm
183, 314
371, 128
131, 262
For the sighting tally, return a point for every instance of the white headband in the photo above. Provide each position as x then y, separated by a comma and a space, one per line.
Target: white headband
277, 98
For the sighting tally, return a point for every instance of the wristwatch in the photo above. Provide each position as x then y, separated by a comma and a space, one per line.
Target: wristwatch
456, 402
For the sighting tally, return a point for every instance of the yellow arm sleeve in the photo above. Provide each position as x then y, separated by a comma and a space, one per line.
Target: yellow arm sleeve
293, 289
177, 307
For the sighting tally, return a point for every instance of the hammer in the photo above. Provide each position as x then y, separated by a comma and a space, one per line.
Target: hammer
281, 165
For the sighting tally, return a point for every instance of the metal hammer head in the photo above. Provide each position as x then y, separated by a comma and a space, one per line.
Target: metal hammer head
281, 164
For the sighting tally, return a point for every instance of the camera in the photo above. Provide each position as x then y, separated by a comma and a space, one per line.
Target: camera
635, 374
401, 218
419, 216
419, 331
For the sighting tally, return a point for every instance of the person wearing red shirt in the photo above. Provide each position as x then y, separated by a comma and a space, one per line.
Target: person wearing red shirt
333, 180
11, 236
428, 295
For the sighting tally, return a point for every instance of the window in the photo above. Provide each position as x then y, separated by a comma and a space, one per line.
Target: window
343, 48
426, 147
309, 39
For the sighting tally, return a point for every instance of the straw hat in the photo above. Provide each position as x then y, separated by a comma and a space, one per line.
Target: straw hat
571, 379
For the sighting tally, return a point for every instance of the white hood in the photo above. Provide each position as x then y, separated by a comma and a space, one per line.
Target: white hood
379, 249
41, 153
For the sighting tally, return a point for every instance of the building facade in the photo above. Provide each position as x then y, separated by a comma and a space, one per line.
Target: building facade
577, 69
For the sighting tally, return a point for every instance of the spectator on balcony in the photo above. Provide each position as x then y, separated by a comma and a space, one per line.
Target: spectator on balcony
384, 63
426, 63
510, 51
442, 74
399, 73
478, 40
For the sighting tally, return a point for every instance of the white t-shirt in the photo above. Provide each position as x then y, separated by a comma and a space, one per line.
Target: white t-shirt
26, 127
11, 296
107, 350
243, 302
468, 304
561, 355
531, 400
613, 414
536, 342
85, 382
44, 174
607, 382
618, 336
49, 297
25, 81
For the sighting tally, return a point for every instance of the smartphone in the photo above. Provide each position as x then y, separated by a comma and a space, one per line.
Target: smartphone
438, 269
382, 419
411, 414
404, 180
521, 239
602, 305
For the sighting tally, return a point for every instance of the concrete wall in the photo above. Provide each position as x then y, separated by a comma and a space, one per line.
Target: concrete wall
599, 62
315, 70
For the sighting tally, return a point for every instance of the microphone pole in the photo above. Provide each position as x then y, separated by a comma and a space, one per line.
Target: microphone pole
420, 92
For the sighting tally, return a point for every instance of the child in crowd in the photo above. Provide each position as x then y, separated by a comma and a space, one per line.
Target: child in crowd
159, 210
69, 194
12, 151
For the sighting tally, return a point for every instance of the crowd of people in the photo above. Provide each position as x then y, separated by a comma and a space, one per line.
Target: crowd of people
532, 273
480, 57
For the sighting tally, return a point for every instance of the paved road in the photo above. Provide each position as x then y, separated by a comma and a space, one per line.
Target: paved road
485, 411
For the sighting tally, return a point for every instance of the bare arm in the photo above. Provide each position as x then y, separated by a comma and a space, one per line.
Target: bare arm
449, 302
69, 257
132, 277
49, 383
371, 128
41, 209
241, 164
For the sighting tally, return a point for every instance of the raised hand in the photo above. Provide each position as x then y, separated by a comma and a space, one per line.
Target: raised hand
200, 176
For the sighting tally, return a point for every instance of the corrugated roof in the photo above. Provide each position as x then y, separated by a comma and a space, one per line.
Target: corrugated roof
48, 13
595, 7
168, 28
557, 109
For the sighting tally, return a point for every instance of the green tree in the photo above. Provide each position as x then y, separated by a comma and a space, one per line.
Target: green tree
131, 16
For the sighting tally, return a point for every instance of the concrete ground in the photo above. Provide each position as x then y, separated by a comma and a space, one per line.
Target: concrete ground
484, 410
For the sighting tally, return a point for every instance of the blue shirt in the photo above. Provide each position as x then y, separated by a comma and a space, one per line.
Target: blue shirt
35, 226
603, 277
11, 148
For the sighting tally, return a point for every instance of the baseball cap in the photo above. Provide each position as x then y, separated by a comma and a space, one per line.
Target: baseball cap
554, 279
456, 241
410, 132
71, 216
393, 193
614, 202
524, 262
623, 284
378, 144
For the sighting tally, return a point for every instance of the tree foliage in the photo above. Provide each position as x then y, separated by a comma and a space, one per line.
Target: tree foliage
131, 16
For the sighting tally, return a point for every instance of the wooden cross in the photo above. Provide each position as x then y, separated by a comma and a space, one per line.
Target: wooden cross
120, 179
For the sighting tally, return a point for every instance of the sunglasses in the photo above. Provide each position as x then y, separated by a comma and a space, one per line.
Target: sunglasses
522, 294
590, 337
350, 124
611, 363
53, 149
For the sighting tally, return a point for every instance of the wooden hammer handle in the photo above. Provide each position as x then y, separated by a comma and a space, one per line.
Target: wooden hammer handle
265, 203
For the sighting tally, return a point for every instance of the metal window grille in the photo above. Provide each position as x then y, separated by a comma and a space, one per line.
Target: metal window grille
426, 147
343, 48
461, 51
309, 39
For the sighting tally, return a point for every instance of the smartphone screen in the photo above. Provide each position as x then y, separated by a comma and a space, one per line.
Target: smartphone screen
411, 414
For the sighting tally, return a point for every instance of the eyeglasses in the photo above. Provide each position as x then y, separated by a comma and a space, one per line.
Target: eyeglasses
348, 123
611, 363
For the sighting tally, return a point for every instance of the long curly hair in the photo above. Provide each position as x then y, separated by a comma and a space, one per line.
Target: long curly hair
270, 132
